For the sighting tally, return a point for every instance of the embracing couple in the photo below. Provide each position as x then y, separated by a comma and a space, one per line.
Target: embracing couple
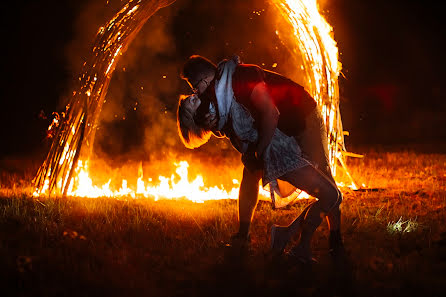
277, 127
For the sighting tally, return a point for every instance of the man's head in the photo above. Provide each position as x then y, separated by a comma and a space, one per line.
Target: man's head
199, 73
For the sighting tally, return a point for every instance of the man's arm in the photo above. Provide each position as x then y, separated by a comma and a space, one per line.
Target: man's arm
267, 116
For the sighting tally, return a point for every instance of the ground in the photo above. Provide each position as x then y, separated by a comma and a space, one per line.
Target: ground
394, 236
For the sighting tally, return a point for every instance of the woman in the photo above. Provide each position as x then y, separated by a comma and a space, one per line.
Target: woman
281, 158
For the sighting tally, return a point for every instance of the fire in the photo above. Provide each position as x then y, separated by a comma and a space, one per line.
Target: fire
174, 187
311, 36
177, 186
303, 30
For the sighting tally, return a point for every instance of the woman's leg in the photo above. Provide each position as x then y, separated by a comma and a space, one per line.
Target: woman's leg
312, 181
314, 144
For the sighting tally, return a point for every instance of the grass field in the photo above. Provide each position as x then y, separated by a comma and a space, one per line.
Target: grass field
394, 234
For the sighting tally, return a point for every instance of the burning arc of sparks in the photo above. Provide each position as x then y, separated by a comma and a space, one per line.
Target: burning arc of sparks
65, 171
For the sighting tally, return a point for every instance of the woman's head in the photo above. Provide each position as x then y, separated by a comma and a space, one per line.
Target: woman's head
192, 135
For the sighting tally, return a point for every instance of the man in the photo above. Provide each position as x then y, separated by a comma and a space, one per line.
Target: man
274, 101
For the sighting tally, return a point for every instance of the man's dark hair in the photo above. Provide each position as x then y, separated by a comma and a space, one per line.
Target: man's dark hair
195, 66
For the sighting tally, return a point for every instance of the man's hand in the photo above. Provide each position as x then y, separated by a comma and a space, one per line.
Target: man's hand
251, 162
210, 121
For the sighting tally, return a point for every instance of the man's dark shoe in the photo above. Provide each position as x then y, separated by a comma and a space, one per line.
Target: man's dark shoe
238, 247
239, 241
339, 255
301, 256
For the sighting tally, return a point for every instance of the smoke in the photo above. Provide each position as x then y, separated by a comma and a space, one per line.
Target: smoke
138, 121
142, 95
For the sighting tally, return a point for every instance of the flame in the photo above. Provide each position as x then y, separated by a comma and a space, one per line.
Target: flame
173, 187
176, 186
312, 37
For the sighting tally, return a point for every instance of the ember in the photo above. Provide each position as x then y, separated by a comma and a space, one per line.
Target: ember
65, 171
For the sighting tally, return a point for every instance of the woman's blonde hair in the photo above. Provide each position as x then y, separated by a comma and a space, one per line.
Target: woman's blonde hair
190, 133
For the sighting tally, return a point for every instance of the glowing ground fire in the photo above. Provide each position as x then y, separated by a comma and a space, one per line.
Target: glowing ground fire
65, 171
167, 187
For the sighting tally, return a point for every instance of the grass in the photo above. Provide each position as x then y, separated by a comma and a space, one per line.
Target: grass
108, 247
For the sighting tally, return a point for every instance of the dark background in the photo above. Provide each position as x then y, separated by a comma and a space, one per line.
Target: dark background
392, 88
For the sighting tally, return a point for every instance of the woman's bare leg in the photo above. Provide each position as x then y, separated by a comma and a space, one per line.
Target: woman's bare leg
312, 181
313, 142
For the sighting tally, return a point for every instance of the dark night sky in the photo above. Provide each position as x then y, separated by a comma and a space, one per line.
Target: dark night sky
392, 54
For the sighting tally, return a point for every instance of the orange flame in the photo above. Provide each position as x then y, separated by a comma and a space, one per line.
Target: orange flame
166, 188
174, 187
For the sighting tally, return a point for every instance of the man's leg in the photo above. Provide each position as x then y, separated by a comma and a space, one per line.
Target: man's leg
247, 201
